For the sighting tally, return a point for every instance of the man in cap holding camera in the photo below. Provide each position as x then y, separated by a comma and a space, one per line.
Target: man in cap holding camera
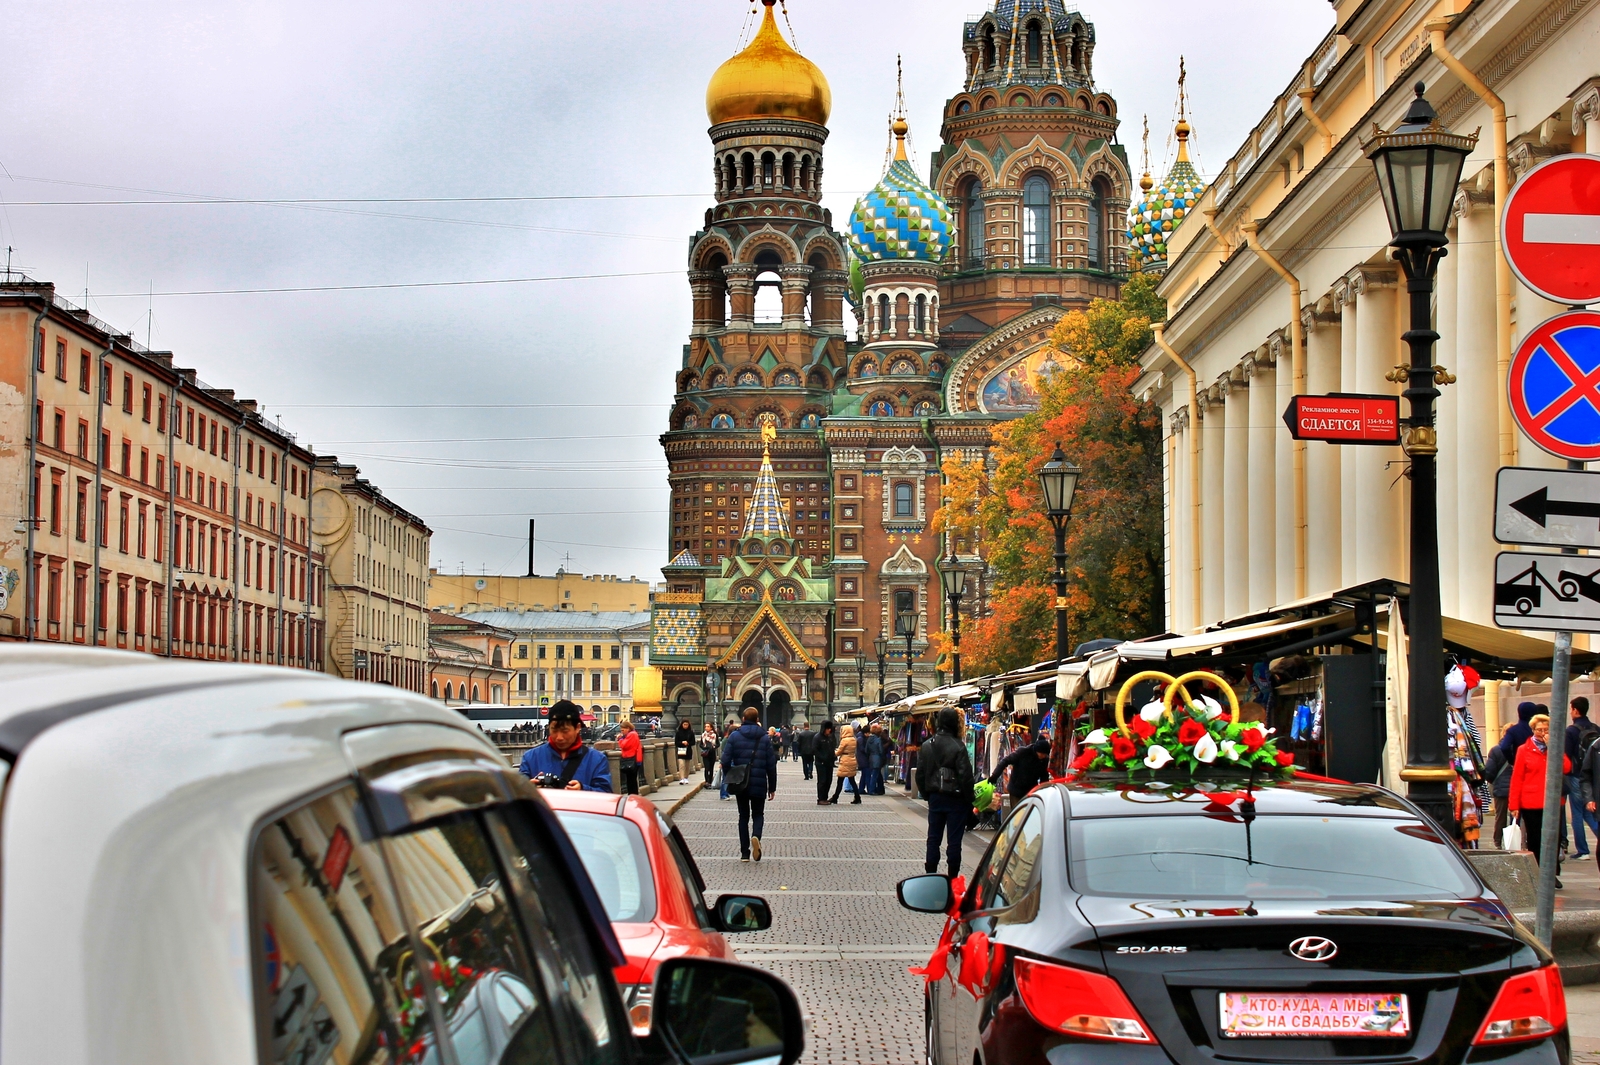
566, 761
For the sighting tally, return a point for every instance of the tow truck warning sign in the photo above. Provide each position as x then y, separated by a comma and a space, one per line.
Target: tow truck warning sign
1549, 592
1345, 418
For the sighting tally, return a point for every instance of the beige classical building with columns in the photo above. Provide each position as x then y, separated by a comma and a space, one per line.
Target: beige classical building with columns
1280, 283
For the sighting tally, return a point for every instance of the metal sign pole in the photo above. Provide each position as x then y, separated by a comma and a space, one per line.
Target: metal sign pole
1555, 784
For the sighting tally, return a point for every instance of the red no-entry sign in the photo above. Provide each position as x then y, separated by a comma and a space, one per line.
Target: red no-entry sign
1551, 229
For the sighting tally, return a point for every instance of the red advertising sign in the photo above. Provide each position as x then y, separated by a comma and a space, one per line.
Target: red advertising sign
1345, 418
337, 860
1551, 229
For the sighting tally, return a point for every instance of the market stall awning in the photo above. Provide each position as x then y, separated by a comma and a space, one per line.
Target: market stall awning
1486, 645
1162, 650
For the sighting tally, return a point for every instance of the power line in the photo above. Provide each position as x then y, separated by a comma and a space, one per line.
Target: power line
452, 406
394, 285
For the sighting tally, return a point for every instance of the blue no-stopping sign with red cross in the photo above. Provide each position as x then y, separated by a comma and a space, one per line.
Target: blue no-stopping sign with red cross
1555, 385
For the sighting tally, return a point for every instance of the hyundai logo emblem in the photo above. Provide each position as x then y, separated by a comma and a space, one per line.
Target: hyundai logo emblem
1313, 948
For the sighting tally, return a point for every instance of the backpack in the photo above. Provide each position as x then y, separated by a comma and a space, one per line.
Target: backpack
737, 778
1588, 732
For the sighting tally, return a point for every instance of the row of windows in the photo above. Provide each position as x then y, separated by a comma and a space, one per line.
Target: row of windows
1036, 217
595, 651
559, 682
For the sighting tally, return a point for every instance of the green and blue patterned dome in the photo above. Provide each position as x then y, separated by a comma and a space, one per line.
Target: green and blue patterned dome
1152, 220
901, 218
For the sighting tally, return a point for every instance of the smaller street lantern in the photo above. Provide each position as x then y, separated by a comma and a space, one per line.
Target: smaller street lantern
954, 579
1419, 166
1059, 480
881, 646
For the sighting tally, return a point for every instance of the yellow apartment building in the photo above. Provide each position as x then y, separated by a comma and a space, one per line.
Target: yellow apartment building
465, 593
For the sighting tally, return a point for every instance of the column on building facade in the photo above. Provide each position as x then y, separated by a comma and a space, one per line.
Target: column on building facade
1180, 610
1262, 518
1324, 493
1237, 497
1345, 297
1586, 116
1449, 425
796, 282
741, 294
1283, 469
1477, 405
1215, 505
1378, 498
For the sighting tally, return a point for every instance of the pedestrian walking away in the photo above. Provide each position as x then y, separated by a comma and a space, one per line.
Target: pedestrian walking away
750, 766
708, 751
1581, 735
631, 752
944, 775
805, 747
1527, 785
872, 770
825, 749
729, 731
565, 760
847, 767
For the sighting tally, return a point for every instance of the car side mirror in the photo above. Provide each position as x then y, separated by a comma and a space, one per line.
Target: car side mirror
707, 1011
926, 894
743, 913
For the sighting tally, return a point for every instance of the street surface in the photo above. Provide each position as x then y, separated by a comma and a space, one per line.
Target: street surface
838, 934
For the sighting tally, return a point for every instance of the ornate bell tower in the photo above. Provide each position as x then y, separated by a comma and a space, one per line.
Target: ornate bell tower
769, 277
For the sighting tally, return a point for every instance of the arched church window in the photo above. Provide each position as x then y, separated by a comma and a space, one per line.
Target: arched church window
903, 500
1036, 221
973, 223
769, 288
449, 691
747, 177
722, 421
885, 323
988, 53
922, 314
767, 164
1098, 259
1035, 45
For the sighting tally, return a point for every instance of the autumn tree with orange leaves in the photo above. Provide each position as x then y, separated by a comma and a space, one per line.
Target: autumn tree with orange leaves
1114, 577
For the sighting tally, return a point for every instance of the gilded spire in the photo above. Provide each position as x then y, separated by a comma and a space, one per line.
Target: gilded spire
1145, 182
1182, 128
899, 126
766, 517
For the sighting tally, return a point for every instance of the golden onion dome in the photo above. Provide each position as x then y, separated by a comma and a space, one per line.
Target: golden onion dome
768, 79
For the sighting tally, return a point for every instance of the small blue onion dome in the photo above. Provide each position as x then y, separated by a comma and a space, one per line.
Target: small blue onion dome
901, 218
1151, 220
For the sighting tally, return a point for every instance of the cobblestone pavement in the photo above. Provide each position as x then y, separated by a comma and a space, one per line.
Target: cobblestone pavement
838, 935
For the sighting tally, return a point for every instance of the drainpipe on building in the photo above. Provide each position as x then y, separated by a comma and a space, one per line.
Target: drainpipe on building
238, 438
1502, 266
30, 587
1306, 95
283, 563
102, 456
1193, 433
1298, 336
1211, 224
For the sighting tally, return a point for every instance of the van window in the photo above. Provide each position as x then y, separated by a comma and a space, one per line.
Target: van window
335, 974
454, 890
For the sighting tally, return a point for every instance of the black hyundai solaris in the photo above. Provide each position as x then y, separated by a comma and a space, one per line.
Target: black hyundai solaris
1149, 923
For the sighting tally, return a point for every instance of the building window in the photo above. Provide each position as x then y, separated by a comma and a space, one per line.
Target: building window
539, 651
577, 650
522, 682
1036, 222
594, 682
1097, 228
1035, 45
616, 652
635, 652
561, 651
903, 501
522, 651
595, 652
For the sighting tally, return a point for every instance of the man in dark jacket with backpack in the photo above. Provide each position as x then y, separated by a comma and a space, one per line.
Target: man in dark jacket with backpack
944, 775
748, 750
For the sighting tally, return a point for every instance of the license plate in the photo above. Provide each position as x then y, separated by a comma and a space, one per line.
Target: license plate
1323, 1015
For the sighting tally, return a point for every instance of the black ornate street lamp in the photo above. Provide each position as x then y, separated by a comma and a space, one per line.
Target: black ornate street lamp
881, 645
1058, 479
954, 579
906, 625
861, 680
1419, 168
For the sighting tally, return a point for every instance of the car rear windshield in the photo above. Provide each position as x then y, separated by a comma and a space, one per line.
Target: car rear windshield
612, 849
1274, 856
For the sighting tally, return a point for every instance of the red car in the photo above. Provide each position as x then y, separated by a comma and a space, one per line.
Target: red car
651, 888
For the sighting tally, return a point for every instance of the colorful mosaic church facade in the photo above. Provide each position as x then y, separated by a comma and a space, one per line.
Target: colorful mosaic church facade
804, 464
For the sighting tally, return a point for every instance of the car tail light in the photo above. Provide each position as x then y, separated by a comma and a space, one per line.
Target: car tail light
637, 998
1530, 1005
1078, 1002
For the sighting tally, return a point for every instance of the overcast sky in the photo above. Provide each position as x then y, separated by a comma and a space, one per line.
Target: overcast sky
479, 406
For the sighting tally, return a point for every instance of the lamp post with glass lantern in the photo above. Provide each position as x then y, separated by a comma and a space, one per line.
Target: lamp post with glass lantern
1418, 167
954, 579
881, 645
1058, 480
861, 680
906, 625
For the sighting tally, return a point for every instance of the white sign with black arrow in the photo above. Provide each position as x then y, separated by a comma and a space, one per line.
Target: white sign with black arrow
1547, 508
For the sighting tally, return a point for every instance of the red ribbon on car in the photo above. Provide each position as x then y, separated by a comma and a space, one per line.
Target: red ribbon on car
938, 966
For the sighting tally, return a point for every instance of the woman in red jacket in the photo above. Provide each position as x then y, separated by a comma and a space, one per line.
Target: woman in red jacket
1527, 782
632, 752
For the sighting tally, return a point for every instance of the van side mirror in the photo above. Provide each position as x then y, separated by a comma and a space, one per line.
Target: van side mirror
743, 913
926, 894
707, 1011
